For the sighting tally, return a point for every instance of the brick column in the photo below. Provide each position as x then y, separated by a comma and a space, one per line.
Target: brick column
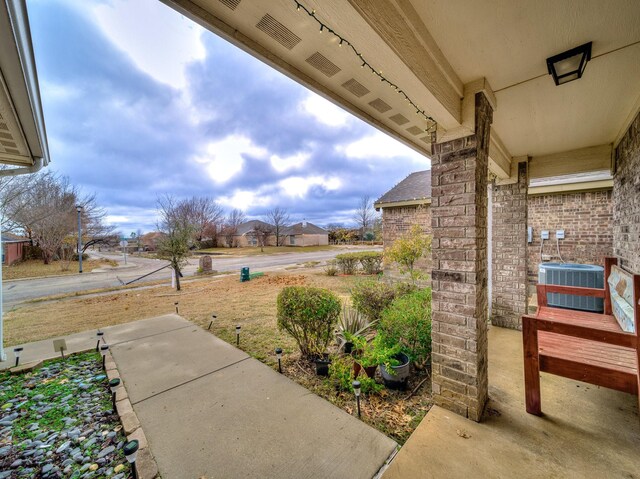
509, 252
459, 278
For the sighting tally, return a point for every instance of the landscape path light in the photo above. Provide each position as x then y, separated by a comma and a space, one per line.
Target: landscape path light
213, 317
279, 356
17, 352
356, 389
113, 385
238, 335
130, 452
176, 305
103, 350
100, 336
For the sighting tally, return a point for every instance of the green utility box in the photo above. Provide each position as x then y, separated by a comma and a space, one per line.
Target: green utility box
244, 274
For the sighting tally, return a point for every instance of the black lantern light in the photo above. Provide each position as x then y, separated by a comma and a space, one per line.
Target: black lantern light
130, 452
103, 351
279, 356
238, 335
17, 352
113, 386
356, 390
569, 65
99, 336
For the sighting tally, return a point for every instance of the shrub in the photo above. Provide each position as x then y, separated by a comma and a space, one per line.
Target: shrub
371, 297
341, 376
407, 321
371, 261
408, 249
308, 315
352, 322
348, 262
331, 268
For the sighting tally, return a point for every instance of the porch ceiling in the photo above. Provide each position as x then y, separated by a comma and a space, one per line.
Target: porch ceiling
435, 50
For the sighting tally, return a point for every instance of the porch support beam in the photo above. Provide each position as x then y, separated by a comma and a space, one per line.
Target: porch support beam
459, 276
583, 160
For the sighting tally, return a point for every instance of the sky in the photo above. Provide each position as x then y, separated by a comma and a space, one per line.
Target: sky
140, 101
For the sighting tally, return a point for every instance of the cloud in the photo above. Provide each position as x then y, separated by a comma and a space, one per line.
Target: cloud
379, 146
324, 111
285, 163
224, 159
297, 186
159, 43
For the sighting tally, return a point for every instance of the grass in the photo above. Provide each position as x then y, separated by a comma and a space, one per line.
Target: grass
35, 268
255, 251
252, 305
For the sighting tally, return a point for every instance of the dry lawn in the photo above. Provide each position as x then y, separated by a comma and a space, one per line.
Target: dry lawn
35, 268
251, 305
253, 251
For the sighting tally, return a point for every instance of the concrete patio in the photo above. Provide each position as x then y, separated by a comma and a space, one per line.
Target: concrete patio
586, 431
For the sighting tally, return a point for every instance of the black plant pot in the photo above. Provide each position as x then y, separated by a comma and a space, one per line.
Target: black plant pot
348, 347
322, 367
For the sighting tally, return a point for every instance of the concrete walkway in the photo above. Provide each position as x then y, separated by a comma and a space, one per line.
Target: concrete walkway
209, 410
586, 431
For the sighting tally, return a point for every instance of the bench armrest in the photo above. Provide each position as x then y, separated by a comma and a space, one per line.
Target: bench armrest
541, 323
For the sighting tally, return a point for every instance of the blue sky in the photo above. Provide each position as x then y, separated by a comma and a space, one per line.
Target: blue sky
139, 101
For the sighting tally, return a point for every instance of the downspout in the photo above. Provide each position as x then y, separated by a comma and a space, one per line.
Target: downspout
37, 165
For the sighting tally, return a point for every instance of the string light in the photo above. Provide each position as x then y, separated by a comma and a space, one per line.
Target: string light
365, 64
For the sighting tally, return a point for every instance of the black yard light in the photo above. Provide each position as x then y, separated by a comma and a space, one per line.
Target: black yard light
238, 335
103, 351
568, 66
17, 352
356, 389
176, 305
130, 451
113, 385
213, 318
99, 336
279, 356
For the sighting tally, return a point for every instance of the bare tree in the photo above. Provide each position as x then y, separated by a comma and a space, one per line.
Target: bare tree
279, 219
175, 245
262, 233
364, 215
202, 213
230, 228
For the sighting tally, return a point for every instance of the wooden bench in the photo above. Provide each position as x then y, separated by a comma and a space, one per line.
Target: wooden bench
600, 349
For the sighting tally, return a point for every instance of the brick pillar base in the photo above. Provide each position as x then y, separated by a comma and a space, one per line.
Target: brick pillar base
509, 252
459, 279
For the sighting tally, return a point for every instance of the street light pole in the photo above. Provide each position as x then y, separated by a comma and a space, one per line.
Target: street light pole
79, 209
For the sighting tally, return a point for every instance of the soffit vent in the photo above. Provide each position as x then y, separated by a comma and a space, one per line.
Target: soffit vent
3, 126
358, 89
232, 4
278, 32
322, 63
9, 144
414, 130
379, 105
426, 139
5, 136
399, 119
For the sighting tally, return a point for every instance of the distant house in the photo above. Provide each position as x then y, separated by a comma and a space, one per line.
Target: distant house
13, 248
247, 234
306, 234
150, 240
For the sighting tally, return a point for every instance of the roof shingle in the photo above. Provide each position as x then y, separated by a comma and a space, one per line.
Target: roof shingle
415, 187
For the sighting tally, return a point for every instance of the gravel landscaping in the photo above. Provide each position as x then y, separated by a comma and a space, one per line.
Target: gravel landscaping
57, 421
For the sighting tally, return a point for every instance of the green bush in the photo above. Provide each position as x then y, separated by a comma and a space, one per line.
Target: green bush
348, 262
371, 261
407, 321
371, 297
308, 315
341, 377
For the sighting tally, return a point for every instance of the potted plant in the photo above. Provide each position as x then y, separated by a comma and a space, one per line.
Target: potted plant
322, 364
351, 323
395, 372
363, 356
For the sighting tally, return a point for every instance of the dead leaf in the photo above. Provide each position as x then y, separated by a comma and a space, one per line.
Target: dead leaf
463, 434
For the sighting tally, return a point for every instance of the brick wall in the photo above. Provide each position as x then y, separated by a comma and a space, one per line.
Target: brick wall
509, 251
626, 199
398, 221
459, 281
587, 220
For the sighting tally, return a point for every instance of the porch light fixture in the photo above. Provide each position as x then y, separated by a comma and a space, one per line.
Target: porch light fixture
130, 452
279, 356
17, 352
356, 389
569, 65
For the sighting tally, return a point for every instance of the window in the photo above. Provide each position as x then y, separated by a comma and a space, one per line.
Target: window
292, 240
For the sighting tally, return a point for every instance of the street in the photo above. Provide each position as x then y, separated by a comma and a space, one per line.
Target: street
16, 292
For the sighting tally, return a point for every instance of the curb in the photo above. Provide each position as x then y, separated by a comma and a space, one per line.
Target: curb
146, 466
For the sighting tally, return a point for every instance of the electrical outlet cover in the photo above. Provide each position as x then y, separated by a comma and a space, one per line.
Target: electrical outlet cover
560, 234
544, 235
